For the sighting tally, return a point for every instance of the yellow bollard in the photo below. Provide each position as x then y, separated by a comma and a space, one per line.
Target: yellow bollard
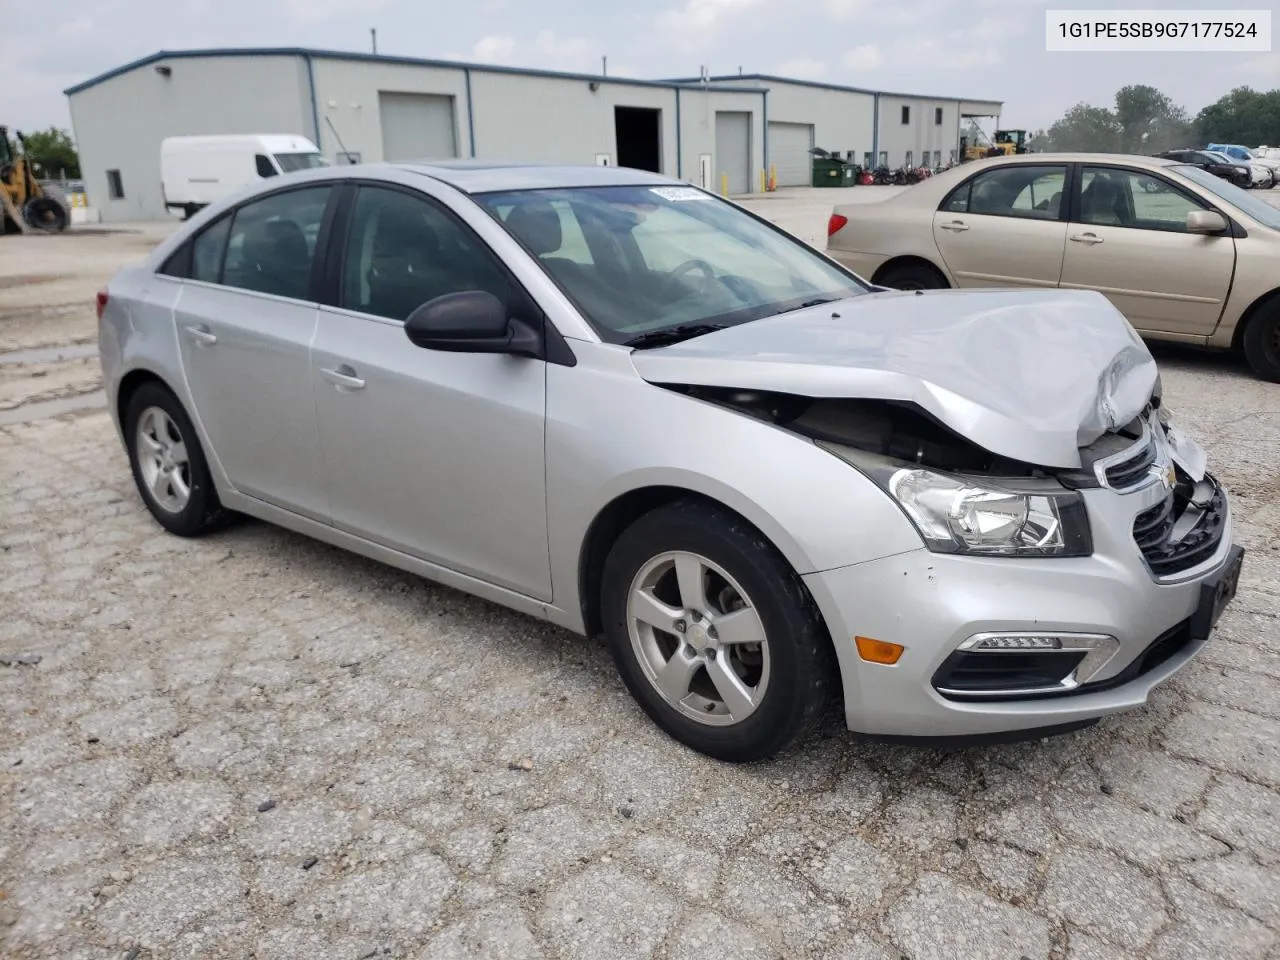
764, 187
773, 176
724, 184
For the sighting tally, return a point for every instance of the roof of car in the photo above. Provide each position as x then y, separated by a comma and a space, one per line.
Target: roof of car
1078, 158
487, 176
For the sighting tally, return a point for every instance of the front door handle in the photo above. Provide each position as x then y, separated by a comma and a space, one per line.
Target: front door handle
343, 377
1089, 238
201, 336
955, 226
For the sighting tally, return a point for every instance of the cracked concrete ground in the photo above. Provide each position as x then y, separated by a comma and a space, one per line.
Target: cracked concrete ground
256, 746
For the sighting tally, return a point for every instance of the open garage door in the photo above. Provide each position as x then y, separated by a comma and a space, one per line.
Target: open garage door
789, 146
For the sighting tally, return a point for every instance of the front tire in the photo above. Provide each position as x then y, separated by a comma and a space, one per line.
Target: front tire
714, 634
913, 276
1262, 341
169, 465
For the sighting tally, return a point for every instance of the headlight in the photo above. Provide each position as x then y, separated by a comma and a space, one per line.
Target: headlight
965, 515
956, 515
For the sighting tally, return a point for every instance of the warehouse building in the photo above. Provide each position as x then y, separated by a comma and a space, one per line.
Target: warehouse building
722, 133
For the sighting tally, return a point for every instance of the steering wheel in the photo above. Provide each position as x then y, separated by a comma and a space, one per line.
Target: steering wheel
689, 266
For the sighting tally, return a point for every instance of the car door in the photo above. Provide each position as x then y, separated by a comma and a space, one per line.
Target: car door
439, 455
245, 321
1005, 227
1128, 239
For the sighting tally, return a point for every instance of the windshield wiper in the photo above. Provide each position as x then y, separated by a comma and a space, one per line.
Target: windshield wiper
816, 302
670, 335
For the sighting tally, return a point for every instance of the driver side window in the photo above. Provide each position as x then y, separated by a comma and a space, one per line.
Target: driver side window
1128, 198
404, 250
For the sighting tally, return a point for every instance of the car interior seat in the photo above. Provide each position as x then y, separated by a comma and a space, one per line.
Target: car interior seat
278, 258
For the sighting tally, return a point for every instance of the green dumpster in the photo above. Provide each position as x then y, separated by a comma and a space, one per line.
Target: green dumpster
833, 173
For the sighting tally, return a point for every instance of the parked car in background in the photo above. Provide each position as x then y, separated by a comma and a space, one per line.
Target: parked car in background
198, 171
1237, 173
625, 405
1243, 154
1183, 254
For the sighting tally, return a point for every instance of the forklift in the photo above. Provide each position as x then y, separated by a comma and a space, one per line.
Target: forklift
25, 204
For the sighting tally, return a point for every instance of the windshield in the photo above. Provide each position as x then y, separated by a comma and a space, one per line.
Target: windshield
638, 259
289, 162
1220, 157
1259, 210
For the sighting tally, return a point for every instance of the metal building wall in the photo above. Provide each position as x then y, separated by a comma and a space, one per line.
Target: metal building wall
347, 97
698, 108
562, 120
842, 119
120, 122
923, 132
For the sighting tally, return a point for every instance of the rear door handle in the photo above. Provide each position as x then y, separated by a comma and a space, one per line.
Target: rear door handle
343, 377
956, 226
1089, 238
201, 336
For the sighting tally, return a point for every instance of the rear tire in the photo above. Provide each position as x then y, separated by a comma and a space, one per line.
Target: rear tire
1262, 341
169, 466
715, 690
913, 276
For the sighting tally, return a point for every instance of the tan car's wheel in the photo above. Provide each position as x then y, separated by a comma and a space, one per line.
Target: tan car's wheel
1262, 341
714, 634
168, 463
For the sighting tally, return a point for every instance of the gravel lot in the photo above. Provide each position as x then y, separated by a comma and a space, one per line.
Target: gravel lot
255, 746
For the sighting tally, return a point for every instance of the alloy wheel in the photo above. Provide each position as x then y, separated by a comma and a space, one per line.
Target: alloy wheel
162, 460
698, 638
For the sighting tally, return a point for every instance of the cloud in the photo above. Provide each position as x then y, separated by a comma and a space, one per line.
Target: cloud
318, 11
841, 10
865, 57
1265, 67
802, 68
494, 49
548, 50
692, 25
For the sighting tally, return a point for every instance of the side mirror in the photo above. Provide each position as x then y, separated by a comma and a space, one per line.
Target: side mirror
470, 321
1206, 221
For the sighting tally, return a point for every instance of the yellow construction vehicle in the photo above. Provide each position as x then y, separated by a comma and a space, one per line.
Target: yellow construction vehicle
1010, 142
1006, 144
25, 204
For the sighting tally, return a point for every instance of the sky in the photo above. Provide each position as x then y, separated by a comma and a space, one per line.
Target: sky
981, 49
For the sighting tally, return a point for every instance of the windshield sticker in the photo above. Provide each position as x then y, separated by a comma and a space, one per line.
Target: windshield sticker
676, 194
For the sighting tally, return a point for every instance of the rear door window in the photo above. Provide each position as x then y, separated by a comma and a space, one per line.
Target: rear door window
273, 242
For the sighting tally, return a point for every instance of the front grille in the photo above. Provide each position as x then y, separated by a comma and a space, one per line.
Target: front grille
1153, 530
1133, 469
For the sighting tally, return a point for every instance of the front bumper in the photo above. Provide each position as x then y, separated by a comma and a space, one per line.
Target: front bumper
932, 603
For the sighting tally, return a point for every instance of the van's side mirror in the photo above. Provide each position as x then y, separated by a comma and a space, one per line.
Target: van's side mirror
1206, 221
470, 321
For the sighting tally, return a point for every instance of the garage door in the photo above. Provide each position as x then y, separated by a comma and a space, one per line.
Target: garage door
417, 126
733, 150
789, 145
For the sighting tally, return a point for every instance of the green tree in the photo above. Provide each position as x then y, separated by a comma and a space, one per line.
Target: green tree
1086, 129
53, 154
1243, 116
1149, 122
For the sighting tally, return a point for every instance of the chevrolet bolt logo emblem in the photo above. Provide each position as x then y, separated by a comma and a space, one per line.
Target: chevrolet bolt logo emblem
1169, 476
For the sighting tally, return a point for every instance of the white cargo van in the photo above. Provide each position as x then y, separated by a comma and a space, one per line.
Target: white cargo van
196, 171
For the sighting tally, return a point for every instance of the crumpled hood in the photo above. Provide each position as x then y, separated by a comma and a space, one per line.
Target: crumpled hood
1032, 375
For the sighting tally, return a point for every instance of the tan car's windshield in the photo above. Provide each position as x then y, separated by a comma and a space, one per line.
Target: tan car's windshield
641, 259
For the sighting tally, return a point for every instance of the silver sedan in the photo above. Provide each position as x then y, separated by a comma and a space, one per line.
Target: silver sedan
622, 404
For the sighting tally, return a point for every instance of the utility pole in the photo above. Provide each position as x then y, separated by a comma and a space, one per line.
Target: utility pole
604, 66
373, 35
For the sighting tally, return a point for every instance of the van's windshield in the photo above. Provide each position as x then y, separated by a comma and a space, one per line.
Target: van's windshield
289, 162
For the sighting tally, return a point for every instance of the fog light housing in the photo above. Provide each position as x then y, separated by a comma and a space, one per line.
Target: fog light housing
1022, 664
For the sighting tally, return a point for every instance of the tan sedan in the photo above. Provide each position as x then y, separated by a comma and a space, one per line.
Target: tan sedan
1184, 255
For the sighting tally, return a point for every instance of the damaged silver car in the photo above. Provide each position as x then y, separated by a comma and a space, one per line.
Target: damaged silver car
622, 404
